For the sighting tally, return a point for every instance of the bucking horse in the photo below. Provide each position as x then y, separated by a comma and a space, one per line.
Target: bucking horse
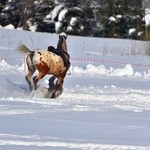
52, 62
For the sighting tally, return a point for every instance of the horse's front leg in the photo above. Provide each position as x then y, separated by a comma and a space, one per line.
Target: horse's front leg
58, 84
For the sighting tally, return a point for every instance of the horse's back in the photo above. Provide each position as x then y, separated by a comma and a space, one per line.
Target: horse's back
53, 62
44, 56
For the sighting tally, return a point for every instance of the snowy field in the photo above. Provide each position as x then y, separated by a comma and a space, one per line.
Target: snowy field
105, 104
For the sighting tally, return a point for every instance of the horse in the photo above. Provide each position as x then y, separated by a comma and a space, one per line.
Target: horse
47, 62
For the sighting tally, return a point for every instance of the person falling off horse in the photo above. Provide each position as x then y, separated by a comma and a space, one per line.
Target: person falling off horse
61, 49
47, 63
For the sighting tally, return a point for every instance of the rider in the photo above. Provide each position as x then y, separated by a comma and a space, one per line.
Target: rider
52, 49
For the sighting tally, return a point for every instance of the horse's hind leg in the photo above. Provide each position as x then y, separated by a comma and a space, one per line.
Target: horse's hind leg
37, 78
28, 78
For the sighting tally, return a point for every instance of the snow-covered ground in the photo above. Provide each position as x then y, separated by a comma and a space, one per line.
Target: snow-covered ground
105, 104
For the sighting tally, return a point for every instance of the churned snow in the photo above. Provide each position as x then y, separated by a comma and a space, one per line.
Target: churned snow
105, 103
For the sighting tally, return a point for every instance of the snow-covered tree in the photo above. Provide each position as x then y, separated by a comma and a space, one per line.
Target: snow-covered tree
100, 18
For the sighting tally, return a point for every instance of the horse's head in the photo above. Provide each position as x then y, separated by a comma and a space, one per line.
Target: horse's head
62, 41
63, 35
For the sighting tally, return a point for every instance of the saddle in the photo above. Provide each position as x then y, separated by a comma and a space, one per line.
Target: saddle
64, 55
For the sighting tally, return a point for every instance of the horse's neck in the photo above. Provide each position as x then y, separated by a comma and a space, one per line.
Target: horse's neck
62, 46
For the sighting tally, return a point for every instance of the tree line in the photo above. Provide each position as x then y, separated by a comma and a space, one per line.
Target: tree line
97, 18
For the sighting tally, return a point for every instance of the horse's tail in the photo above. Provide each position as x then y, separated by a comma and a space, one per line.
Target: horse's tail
23, 49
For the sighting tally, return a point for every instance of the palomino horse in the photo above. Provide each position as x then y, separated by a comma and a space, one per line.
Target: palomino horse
47, 62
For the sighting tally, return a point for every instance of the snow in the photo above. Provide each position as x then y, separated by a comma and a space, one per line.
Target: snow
7, 8
73, 21
69, 28
62, 14
132, 30
119, 16
101, 70
33, 28
56, 11
112, 19
105, 104
147, 17
48, 16
10, 26
58, 25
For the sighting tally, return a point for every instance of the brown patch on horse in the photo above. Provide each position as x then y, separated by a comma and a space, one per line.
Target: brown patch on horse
56, 67
42, 67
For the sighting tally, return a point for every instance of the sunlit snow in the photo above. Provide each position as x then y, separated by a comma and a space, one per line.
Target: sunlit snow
105, 103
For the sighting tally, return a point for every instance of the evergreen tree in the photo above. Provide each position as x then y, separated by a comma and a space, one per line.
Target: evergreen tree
100, 18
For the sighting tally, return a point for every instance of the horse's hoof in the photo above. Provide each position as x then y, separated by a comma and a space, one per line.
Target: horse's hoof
31, 88
47, 93
52, 96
